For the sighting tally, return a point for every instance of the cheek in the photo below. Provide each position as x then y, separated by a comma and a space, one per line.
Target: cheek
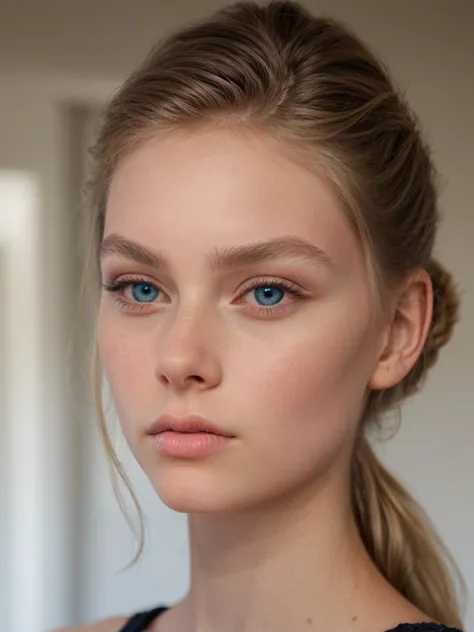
126, 361
307, 389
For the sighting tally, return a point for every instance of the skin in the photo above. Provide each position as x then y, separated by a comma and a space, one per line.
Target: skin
272, 534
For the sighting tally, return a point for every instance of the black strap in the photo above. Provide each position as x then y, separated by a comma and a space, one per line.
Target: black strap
140, 621
422, 627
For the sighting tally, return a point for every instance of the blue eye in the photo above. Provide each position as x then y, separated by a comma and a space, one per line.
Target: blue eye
269, 294
144, 292
139, 294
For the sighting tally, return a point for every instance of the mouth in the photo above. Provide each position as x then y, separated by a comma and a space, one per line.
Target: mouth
190, 424
187, 437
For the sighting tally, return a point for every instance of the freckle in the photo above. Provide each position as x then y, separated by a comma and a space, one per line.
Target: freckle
354, 618
309, 620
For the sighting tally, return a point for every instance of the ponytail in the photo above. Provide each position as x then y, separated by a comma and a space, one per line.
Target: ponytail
402, 541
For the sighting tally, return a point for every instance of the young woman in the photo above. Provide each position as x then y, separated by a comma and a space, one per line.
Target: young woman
264, 212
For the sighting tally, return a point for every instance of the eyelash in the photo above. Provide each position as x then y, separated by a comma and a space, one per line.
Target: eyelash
116, 287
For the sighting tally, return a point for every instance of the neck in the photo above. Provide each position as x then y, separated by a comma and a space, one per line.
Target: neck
297, 565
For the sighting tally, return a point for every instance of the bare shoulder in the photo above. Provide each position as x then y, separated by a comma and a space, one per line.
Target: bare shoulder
113, 624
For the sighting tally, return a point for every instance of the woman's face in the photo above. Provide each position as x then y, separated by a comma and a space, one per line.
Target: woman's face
285, 369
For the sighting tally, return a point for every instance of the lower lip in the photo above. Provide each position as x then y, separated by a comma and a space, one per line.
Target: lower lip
188, 445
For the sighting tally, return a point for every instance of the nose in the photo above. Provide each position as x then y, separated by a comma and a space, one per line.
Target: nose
187, 356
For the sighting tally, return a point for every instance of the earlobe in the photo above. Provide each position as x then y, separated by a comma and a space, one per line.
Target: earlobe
406, 333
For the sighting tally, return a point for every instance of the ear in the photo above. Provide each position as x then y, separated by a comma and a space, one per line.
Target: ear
406, 333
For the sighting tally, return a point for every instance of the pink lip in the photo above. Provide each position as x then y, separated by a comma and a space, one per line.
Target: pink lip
187, 437
188, 445
189, 423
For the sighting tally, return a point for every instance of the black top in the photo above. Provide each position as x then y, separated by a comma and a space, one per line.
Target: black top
139, 623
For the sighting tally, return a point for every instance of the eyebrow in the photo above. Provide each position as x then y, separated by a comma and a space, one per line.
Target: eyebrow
221, 259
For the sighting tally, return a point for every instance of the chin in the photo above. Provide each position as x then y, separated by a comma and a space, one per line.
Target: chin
191, 500
193, 491
188, 490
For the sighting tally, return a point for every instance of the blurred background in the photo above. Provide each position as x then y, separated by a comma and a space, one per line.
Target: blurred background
63, 540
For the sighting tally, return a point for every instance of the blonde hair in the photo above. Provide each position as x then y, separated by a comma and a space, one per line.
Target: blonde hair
312, 82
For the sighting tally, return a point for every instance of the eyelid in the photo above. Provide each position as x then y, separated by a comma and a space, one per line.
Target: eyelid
270, 280
120, 282
112, 285
295, 292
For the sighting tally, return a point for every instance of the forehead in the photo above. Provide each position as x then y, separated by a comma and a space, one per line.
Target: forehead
222, 185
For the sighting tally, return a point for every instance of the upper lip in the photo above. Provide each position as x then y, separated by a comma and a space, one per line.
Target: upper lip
188, 423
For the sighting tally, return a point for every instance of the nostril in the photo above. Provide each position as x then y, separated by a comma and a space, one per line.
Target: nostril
168, 379
197, 378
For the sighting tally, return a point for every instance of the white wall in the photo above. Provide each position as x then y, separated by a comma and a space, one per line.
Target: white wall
32, 142
23, 561
77, 56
